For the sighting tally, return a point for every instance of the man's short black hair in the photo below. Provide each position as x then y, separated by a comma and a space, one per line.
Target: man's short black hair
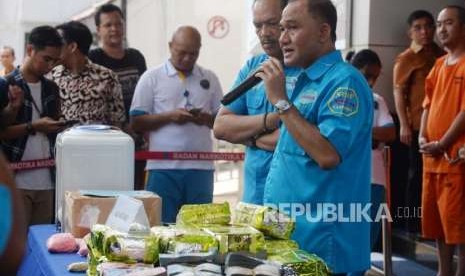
107, 8
363, 58
74, 31
325, 11
418, 14
44, 36
460, 12
283, 3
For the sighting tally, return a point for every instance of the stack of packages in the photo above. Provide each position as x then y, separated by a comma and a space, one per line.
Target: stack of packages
203, 237
278, 228
115, 253
214, 219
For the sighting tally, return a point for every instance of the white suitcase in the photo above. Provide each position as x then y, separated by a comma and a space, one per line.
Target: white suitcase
92, 157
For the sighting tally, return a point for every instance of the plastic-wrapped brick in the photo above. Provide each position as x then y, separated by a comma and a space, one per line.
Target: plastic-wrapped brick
235, 238
184, 240
131, 249
270, 221
300, 262
273, 247
200, 214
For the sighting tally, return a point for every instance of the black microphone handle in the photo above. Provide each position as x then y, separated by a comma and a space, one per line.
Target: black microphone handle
241, 89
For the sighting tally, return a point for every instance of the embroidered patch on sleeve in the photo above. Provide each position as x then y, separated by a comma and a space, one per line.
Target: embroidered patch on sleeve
344, 102
307, 97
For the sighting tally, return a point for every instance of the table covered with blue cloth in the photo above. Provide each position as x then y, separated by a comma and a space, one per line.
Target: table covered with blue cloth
38, 261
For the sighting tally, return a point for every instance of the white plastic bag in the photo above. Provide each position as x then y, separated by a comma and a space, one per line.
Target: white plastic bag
126, 213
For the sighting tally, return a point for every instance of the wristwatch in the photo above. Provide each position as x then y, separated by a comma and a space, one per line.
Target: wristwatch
282, 106
30, 129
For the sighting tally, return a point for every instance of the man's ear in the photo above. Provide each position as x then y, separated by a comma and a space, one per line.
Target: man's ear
29, 50
98, 31
325, 32
409, 33
73, 47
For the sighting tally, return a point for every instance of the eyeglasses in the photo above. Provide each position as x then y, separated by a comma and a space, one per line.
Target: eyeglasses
188, 106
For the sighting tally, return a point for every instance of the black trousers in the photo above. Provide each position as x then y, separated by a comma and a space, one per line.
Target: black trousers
414, 187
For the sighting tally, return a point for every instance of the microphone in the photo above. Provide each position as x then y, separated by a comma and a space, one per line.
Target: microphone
241, 89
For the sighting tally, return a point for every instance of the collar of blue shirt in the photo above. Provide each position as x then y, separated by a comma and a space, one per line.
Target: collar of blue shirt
322, 65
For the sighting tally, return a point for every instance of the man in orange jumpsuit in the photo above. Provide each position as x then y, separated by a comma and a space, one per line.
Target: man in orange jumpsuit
442, 135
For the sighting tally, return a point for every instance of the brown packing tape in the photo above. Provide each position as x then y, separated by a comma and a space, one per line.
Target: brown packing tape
77, 206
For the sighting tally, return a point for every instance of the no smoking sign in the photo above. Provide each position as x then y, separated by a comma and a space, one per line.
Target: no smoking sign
218, 27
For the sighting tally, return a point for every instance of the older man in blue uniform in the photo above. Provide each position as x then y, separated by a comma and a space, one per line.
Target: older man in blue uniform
252, 120
322, 160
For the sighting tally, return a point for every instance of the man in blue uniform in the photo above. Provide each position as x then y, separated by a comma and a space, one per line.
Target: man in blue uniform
251, 119
322, 160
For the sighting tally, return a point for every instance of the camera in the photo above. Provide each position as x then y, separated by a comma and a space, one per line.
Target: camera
10, 80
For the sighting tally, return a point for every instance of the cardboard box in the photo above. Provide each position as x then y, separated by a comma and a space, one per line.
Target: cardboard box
83, 211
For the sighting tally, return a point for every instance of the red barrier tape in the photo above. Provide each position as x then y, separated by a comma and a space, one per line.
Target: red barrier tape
185, 155
142, 155
32, 164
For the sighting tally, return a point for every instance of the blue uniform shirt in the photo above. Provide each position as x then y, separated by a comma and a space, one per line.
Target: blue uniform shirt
257, 161
5, 219
335, 97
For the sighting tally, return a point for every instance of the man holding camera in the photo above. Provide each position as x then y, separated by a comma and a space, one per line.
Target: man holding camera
177, 102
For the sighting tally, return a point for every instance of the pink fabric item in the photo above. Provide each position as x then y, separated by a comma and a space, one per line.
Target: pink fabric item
83, 251
62, 243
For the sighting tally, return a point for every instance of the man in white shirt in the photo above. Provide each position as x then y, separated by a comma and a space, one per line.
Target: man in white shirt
177, 102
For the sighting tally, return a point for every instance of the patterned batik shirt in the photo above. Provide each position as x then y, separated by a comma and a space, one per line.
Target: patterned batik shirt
92, 96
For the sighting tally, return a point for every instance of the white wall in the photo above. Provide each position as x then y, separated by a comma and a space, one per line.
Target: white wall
10, 33
146, 29
150, 24
20, 16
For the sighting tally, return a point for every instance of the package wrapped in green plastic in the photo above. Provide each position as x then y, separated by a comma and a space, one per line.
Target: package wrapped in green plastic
200, 214
301, 263
235, 238
95, 245
266, 219
131, 249
273, 246
184, 240
97, 236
